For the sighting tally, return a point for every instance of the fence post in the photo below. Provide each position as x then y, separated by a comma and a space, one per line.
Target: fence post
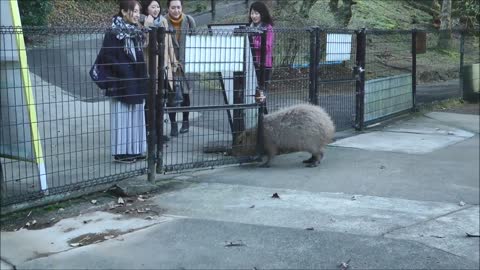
359, 71
259, 95
314, 52
159, 104
414, 69
317, 61
212, 4
462, 55
152, 77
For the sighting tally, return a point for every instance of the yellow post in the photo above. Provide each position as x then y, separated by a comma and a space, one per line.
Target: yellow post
27, 88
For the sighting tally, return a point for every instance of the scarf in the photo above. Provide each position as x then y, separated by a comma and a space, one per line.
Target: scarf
257, 28
177, 24
130, 34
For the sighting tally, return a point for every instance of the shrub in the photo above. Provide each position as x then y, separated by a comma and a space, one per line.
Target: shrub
34, 12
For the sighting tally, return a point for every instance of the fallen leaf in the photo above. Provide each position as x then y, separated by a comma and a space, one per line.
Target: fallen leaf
309, 229
472, 235
149, 218
107, 237
120, 200
253, 206
450, 133
75, 244
141, 199
34, 222
239, 243
382, 167
29, 213
141, 211
275, 196
27, 224
353, 198
61, 210
344, 265
461, 203
93, 201
437, 236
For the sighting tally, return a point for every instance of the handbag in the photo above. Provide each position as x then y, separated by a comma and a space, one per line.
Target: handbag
101, 73
178, 89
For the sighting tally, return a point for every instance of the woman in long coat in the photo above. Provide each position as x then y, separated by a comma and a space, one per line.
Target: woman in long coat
180, 23
122, 50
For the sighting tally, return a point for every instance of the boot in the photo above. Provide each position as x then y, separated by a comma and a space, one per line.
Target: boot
185, 126
174, 129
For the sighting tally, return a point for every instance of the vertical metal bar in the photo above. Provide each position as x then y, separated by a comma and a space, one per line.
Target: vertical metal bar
212, 4
260, 92
263, 58
159, 110
151, 132
414, 69
462, 55
313, 69
317, 61
360, 79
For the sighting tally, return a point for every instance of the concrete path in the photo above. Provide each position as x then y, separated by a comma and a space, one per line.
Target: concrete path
367, 205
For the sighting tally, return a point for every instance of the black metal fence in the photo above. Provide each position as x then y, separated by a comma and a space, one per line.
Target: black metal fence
56, 125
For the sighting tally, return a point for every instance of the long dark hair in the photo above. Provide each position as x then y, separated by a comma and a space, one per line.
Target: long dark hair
264, 13
146, 3
127, 5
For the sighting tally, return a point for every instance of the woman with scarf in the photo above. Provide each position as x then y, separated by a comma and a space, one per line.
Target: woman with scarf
180, 23
151, 17
259, 18
122, 51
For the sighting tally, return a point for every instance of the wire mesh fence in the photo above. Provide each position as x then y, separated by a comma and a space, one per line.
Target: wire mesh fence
58, 129
336, 80
388, 65
57, 126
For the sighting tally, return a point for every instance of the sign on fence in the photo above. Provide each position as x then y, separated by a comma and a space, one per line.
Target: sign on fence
339, 47
206, 53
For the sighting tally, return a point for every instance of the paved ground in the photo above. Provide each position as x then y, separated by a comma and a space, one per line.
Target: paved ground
406, 206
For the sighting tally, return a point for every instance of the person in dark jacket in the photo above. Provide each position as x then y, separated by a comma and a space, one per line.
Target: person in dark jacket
122, 51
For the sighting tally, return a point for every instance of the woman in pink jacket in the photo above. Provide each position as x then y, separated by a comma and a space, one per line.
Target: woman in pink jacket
260, 18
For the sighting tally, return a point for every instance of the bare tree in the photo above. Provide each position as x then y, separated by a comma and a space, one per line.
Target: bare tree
444, 38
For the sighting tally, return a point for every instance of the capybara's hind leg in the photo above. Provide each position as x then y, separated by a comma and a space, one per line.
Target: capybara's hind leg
270, 153
315, 159
310, 160
266, 164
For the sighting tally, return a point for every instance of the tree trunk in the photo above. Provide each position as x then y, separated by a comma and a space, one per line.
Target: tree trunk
333, 5
445, 35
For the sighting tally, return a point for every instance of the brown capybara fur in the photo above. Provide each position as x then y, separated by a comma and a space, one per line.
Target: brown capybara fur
297, 128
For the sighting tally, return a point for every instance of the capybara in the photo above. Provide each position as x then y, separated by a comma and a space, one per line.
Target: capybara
297, 128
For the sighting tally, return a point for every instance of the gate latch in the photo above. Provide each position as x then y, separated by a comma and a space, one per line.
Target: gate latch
357, 69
